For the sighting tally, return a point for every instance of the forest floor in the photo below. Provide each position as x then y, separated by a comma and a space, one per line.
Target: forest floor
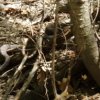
28, 20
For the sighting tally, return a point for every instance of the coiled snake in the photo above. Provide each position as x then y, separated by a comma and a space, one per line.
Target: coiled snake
3, 50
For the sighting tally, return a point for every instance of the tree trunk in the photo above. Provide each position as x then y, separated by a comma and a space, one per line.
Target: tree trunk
85, 36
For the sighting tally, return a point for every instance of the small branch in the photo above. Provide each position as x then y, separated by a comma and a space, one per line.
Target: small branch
97, 11
21, 65
28, 80
13, 79
53, 51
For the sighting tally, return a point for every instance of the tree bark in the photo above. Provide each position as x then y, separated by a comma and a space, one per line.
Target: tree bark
85, 36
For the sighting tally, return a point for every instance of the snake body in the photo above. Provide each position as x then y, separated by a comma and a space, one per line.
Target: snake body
3, 50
